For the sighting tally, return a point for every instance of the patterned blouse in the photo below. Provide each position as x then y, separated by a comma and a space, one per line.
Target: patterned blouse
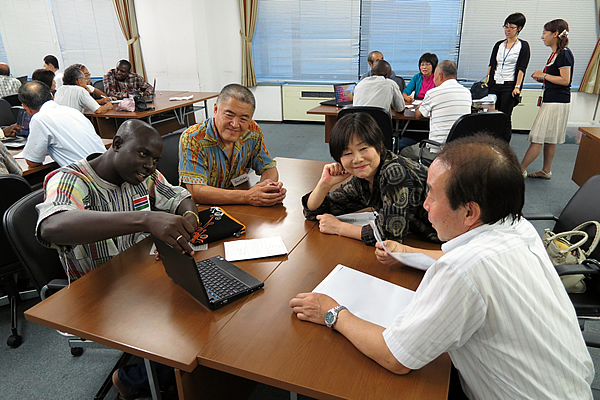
399, 190
8, 165
203, 159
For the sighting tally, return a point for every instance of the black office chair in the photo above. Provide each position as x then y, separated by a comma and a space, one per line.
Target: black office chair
583, 206
169, 159
6, 114
13, 188
401, 83
381, 116
13, 100
99, 84
492, 123
44, 266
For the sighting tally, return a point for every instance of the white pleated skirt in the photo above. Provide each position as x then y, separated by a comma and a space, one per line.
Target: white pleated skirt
550, 125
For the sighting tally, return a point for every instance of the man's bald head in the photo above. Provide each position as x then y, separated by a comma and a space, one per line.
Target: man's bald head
34, 94
382, 68
4, 69
136, 128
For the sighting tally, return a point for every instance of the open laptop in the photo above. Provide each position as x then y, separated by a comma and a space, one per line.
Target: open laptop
344, 93
214, 282
150, 99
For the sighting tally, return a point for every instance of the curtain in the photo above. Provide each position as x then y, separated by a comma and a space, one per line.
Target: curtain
591, 79
248, 13
126, 17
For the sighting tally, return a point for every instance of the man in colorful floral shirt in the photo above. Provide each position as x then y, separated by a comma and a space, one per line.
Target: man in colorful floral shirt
217, 154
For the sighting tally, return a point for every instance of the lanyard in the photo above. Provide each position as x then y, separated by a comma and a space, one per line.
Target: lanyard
505, 54
546, 67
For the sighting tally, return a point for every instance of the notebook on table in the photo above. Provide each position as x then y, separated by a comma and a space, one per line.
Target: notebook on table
344, 94
214, 282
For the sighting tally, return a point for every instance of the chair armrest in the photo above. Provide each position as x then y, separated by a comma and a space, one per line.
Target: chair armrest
54, 285
541, 217
592, 339
589, 266
423, 142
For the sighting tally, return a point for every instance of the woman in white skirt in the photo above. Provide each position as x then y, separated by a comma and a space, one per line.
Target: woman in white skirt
550, 124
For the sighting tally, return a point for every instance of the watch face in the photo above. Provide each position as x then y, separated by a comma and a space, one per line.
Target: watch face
329, 318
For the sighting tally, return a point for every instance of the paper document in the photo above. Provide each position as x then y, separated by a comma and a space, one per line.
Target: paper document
359, 219
415, 260
178, 98
254, 248
367, 297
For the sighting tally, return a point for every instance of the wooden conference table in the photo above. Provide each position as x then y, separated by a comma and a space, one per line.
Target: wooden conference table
131, 304
106, 124
331, 112
587, 163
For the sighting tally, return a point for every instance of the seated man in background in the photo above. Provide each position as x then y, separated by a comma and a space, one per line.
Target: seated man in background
51, 64
371, 58
493, 301
217, 153
45, 76
59, 131
120, 82
445, 103
378, 90
74, 93
8, 84
96, 93
98, 207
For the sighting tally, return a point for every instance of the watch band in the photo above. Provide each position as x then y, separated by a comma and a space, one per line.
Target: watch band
335, 311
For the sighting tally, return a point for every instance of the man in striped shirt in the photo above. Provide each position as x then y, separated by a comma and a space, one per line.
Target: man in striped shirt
102, 205
493, 299
445, 103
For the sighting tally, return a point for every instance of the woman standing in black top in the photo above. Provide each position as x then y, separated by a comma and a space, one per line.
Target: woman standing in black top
508, 63
550, 124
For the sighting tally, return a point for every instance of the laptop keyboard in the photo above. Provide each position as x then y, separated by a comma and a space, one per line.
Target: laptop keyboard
218, 284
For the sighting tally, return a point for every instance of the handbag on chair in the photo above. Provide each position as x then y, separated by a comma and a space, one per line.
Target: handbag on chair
563, 252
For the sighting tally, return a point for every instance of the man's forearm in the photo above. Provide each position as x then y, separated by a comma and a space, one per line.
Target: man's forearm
204, 194
32, 164
271, 174
66, 227
368, 339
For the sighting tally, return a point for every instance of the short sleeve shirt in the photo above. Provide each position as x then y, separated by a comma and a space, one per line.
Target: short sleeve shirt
76, 97
554, 93
203, 159
78, 187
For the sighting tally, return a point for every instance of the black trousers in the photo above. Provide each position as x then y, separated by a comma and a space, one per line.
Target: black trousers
505, 102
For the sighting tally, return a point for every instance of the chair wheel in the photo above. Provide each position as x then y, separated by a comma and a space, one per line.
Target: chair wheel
14, 341
76, 351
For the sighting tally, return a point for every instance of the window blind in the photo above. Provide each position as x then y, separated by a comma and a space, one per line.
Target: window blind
483, 27
309, 40
405, 29
89, 34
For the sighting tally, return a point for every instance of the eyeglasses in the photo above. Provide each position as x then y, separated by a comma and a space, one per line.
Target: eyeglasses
511, 27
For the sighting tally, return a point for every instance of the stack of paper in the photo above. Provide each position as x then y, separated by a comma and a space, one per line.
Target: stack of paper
179, 98
367, 297
254, 248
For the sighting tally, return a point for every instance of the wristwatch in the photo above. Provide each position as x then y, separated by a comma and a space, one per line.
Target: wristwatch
332, 315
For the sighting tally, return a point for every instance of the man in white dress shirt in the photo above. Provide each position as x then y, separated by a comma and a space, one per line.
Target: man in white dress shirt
379, 90
493, 300
445, 103
74, 92
62, 132
51, 64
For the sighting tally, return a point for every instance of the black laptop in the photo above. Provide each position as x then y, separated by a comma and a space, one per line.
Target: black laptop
214, 282
344, 94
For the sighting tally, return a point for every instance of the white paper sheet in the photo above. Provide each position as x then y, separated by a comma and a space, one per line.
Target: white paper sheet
254, 248
359, 219
367, 297
179, 98
195, 247
415, 260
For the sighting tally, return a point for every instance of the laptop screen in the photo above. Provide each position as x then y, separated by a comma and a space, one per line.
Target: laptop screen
23, 120
344, 93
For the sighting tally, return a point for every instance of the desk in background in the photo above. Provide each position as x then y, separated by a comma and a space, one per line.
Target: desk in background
106, 124
587, 163
35, 175
131, 304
